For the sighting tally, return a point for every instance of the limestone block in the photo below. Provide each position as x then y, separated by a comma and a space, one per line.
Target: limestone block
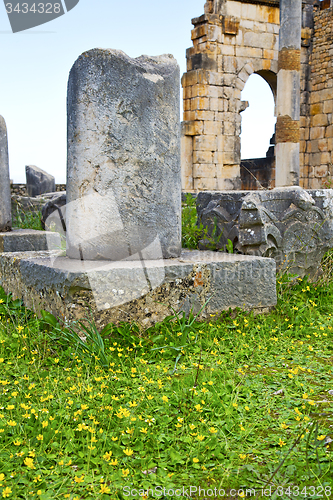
321, 171
322, 144
202, 157
200, 114
329, 131
316, 108
187, 162
228, 171
205, 143
325, 158
233, 9
216, 104
123, 172
192, 128
227, 50
328, 106
204, 170
200, 103
249, 52
249, 11
259, 40
212, 127
147, 292
319, 120
229, 64
5, 199
291, 225
38, 181
231, 157
218, 160
205, 184
317, 133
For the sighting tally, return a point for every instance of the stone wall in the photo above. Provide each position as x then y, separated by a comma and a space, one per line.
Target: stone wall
232, 40
317, 131
21, 190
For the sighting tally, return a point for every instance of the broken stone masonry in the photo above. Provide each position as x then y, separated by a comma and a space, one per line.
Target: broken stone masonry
232, 40
17, 240
123, 215
292, 225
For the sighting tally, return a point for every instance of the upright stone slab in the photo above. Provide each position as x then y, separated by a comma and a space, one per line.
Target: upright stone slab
38, 181
5, 201
123, 172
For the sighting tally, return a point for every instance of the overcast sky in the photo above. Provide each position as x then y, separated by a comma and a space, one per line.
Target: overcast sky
35, 65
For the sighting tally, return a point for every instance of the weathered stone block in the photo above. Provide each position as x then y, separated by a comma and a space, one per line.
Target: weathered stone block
5, 201
123, 173
143, 291
204, 170
293, 226
202, 157
38, 181
205, 143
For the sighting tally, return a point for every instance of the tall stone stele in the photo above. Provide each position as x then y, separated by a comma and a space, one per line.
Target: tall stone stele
288, 94
5, 198
123, 172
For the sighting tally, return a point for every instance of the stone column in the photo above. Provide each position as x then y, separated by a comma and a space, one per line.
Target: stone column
5, 198
123, 171
288, 94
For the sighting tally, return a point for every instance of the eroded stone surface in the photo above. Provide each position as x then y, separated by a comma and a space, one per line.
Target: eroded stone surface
123, 175
291, 225
145, 292
29, 240
38, 181
5, 203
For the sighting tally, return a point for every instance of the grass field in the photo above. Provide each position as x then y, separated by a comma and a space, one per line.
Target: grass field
233, 403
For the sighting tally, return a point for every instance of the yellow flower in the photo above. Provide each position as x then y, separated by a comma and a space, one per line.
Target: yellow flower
281, 443
321, 438
12, 423
78, 479
200, 437
40, 437
107, 455
150, 397
305, 396
39, 492
195, 460
144, 430
128, 452
192, 427
242, 456
16, 443
125, 472
6, 492
45, 423
29, 463
284, 426
235, 405
19, 328
312, 403
105, 489
2, 477
213, 430
198, 408
114, 438
114, 461
247, 408
165, 399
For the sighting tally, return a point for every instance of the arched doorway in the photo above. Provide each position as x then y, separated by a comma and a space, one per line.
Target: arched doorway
258, 126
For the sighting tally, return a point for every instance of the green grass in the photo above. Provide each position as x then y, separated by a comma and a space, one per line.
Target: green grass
248, 403
26, 218
240, 401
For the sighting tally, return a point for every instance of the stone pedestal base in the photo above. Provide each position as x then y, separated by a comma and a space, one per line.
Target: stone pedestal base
28, 240
141, 291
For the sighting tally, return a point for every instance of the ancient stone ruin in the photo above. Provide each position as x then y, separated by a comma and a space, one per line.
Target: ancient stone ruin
123, 172
38, 181
232, 40
124, 260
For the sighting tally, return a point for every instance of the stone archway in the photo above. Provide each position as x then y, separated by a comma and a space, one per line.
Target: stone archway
232, 40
